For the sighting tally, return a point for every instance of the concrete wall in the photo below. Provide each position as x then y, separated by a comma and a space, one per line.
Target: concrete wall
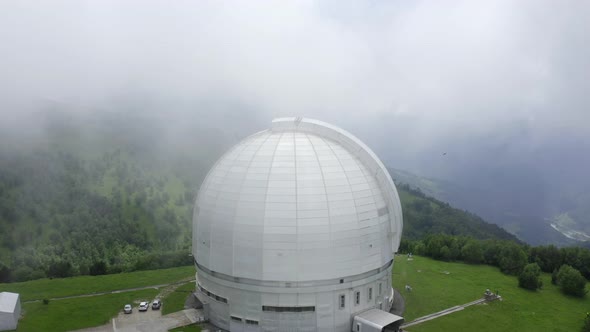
245, 304
8, 321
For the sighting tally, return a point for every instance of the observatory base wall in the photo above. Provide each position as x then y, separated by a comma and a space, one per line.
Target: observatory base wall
307, 306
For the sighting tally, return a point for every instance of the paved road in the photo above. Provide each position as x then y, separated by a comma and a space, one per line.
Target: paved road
151, 320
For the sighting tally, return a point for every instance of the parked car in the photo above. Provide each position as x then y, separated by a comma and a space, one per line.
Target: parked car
128, 309
156, 304
143, 306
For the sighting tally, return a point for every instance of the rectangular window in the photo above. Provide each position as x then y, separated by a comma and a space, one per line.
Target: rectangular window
342, 301
370, 295
211, 295
251, 322
358, 327
380, 289
288, 309
357, 298
235, 318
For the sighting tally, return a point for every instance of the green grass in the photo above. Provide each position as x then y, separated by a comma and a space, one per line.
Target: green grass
174, 301
188, 328
71, 314
51, 288
521, 310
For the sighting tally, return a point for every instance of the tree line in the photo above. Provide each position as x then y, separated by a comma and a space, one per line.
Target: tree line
570, 266
62, 215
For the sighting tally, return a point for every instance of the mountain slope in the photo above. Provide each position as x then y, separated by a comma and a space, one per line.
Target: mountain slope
531, 228
115, 194
425, 215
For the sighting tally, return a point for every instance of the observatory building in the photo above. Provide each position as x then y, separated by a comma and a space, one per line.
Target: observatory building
295, 229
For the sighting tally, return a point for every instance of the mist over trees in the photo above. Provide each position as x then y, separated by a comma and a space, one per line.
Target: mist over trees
114, 192
97, 198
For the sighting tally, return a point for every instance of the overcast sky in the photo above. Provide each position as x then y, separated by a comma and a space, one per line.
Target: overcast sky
409, 74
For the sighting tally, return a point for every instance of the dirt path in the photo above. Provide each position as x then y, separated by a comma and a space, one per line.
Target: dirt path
177, 283
442, 313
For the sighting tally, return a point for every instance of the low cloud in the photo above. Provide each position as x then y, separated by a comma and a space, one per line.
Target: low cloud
406, 77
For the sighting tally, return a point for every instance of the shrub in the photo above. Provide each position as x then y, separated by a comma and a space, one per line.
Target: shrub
586, 326
512, 259
98, 268
571, 281
554, 277
529, 278
472, 252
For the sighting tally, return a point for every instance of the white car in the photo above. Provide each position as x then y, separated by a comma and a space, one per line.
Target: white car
128, 309
143, 306
156, 304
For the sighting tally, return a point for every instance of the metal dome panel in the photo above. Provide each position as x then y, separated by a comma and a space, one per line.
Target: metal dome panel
302, 202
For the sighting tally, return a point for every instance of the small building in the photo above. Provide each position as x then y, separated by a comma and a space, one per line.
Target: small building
375, 320
9, 311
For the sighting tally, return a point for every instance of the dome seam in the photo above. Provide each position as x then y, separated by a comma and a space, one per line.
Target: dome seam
328, 143
274, 152
325, 188
217, 195
233, 261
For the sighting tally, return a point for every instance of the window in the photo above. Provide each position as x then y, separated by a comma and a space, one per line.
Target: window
380, 289
251, 322
211, 295
370, 293
287, 309
342, 301
357, 298
235, 318
358, 327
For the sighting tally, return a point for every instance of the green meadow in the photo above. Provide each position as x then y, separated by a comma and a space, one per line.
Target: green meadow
174, 301
439, 285
62, 287
76, 313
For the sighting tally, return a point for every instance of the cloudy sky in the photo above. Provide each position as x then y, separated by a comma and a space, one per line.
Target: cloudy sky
410, 76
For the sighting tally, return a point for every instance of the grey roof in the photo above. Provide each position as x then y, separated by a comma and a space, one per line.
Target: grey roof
377, 318
302, 201
8, 301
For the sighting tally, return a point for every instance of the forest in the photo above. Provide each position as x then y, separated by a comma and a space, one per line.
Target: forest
118, 196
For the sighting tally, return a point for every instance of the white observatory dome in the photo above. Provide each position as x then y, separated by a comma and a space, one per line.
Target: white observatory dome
303, 201
295, 229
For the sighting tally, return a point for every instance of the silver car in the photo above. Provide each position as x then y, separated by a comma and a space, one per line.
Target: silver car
143, 306
128, 309
156, 304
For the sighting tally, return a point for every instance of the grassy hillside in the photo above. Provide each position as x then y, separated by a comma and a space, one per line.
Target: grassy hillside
439, 285
176, 299
61, 287
527, 221
77, 313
